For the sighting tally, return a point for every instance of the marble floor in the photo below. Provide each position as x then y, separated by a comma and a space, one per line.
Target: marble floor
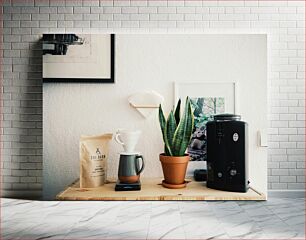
272, 219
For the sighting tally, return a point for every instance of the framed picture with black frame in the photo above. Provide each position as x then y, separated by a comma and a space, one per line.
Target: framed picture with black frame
78, 58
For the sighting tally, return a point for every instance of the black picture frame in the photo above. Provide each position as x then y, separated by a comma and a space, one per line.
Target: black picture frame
91, 80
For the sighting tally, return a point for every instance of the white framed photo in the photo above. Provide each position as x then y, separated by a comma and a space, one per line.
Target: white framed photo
207, 99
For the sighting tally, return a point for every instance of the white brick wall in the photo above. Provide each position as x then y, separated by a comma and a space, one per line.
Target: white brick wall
25, 20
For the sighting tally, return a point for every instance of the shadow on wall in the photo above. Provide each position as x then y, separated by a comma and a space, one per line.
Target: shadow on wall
27, 159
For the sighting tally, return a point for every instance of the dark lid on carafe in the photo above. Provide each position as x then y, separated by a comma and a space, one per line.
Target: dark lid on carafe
227, 117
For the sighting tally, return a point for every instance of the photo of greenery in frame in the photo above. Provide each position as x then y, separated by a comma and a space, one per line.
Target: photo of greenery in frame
203, 110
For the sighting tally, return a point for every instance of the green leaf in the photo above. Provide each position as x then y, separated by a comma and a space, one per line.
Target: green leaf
177, 112
170, 130
183, 132
162, 122
167, 153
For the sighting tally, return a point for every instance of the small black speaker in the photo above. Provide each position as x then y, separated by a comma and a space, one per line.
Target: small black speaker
227, 153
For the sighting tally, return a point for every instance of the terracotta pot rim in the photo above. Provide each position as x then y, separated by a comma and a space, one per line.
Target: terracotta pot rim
174, 159
163, 154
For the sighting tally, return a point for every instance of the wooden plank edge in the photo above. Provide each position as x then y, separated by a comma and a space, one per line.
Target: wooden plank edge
59, 195
163, 198
259, 193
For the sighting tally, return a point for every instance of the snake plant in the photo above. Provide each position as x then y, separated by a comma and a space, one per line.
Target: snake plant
177, 130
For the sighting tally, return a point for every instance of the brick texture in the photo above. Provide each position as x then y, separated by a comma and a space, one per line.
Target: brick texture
24, 21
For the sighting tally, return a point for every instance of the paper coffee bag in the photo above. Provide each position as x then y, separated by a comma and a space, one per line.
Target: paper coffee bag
93, 160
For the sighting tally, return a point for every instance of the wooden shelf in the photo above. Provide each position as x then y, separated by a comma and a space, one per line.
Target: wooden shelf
151, 189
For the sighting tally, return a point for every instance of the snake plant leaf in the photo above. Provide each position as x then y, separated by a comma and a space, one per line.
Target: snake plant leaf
167, 153
162, 122
170, 130
177, 112
183, 132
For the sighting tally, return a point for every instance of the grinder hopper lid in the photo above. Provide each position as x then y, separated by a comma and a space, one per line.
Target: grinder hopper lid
227, 117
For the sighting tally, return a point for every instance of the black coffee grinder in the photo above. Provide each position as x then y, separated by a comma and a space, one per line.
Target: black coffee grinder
227, 153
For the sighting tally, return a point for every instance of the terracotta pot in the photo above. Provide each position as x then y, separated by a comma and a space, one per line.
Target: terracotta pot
174, 168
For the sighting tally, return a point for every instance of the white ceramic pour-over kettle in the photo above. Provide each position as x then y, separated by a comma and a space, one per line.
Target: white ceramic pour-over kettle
128, 139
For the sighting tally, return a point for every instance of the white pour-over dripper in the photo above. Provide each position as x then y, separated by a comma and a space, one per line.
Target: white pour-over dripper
128, 139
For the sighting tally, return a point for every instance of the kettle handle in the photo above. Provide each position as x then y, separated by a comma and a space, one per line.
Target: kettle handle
143, 164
